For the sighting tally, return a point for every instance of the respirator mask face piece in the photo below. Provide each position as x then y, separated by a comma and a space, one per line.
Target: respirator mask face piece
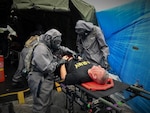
56, 42
47, 40
81, 32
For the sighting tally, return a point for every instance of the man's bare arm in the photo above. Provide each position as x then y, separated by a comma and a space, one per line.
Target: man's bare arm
63, 72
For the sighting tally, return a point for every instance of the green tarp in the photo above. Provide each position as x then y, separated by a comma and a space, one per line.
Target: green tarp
49, 5
86, 10
58, 14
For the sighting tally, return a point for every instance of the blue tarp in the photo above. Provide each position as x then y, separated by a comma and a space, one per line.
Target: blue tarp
127, 32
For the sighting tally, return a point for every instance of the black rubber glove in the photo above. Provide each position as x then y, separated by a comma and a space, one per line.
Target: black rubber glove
60, 62
75, 56
67, 51
104, 63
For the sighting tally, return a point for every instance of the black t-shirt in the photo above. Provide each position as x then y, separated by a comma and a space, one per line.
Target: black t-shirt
77, 72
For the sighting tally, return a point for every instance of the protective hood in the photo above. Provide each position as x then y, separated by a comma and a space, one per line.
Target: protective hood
53, 33
49, 36
81, 24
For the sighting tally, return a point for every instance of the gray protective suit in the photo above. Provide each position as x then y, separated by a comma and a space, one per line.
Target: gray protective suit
40, 80
91, 44
18, 76
45, 59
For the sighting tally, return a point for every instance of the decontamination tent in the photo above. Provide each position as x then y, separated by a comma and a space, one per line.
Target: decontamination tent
59, 14
128, 37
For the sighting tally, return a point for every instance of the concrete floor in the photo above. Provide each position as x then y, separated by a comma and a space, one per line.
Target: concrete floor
15, 107
58, 107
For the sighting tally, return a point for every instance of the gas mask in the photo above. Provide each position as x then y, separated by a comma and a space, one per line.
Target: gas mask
56, 42
47, 39
82, 33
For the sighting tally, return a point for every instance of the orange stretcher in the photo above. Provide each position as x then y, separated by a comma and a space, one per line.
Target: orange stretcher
93, 86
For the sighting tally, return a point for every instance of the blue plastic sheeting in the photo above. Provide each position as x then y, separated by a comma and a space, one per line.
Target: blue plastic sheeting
127, 31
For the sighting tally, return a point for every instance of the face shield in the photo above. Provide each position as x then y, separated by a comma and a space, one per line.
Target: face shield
82, 32
56, 42
52, 39
47, 39
83, 28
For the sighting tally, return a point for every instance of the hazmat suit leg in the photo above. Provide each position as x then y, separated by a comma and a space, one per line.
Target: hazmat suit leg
41, 89
19, 79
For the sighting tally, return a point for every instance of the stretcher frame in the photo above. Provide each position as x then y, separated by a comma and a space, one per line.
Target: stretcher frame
100, 101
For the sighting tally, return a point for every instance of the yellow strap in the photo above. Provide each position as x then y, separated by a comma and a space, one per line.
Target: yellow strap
58, 87
21, 97
12, 93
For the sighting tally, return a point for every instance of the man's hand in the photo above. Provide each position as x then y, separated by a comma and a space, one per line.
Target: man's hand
65, 57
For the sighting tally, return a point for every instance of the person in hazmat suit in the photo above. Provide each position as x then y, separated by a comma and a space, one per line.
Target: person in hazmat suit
91, 44
19, 77
46, 58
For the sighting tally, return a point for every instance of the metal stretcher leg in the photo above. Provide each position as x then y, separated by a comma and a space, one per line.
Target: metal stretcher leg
97, 105
70, 100
89, 104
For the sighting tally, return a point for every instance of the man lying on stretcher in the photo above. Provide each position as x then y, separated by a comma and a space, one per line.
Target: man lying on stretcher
80, 71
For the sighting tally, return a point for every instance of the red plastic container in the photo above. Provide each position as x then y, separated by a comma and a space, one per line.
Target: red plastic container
2, 74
